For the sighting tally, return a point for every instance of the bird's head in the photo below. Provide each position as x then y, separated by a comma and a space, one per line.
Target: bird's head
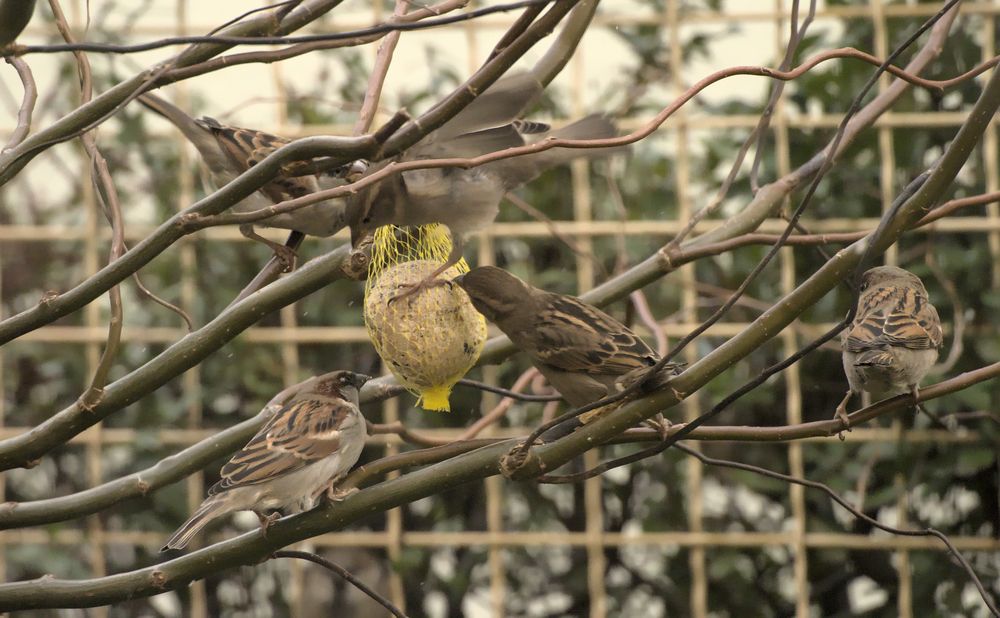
885, 276
344, 384
494, 292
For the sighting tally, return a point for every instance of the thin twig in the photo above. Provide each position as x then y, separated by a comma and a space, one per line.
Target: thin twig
512, 394
110, 48
341, 571
756, 136
277, 55
500, 409
383, 57
983, 593
794, 40
107, 195
27, 101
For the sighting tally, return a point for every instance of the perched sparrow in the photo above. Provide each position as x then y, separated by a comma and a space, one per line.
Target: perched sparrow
467, 200
309, 444
230, 151
894, 338
582, 351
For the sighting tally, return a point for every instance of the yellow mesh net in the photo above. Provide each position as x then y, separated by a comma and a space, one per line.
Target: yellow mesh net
429, 340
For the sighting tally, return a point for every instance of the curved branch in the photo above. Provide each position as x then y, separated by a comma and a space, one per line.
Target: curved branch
84, 116
341, 571
27, 100
22, 450
277, 55
380, 29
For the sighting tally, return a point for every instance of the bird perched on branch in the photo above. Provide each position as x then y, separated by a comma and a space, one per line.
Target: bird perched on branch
229, 151
308, 445
468, 200
894, 338
583, 352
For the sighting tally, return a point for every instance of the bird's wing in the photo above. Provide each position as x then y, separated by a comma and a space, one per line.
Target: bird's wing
575, 337
498, 105
898, 316
248, 147
302, 432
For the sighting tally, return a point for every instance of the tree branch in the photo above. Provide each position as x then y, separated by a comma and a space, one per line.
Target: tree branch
23, 449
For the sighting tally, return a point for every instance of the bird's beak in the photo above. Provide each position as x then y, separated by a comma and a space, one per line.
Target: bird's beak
458, 280
360, 379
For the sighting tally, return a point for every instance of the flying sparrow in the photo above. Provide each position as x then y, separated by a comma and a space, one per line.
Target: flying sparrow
583, 352
307, 445
894, 338
468, 200
229, 151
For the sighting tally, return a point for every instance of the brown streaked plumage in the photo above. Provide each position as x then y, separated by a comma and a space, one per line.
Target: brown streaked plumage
894, 338
468, 200
229, 151
583, 352
307, 445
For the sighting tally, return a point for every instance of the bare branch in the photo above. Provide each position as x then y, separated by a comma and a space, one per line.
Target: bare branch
27, 101
176, 359
89, 115
342, 572
380, 29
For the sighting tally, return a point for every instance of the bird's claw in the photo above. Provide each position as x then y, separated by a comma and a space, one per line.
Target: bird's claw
334, 494
286, 256
267, 520
414, 288
841, 414
660, 424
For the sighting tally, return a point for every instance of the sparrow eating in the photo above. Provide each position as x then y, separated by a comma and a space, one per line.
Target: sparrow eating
583, 352
468, 200
894, 338
305, 447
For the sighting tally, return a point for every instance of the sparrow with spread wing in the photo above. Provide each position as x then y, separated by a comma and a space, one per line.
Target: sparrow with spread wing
583, 352
307, 445
894, 338
468, 200
229, 151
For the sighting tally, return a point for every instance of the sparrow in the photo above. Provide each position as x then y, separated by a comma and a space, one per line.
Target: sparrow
583, 352
307, 445
229, 151
894, 338
468, 200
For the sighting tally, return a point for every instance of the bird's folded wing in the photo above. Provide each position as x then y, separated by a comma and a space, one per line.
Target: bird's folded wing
304, 432
899, 317
575, 337
248, 147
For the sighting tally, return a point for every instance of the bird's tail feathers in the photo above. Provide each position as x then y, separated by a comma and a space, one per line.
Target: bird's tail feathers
655, 382
520, 170
209, 510
178, 117
875, 358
